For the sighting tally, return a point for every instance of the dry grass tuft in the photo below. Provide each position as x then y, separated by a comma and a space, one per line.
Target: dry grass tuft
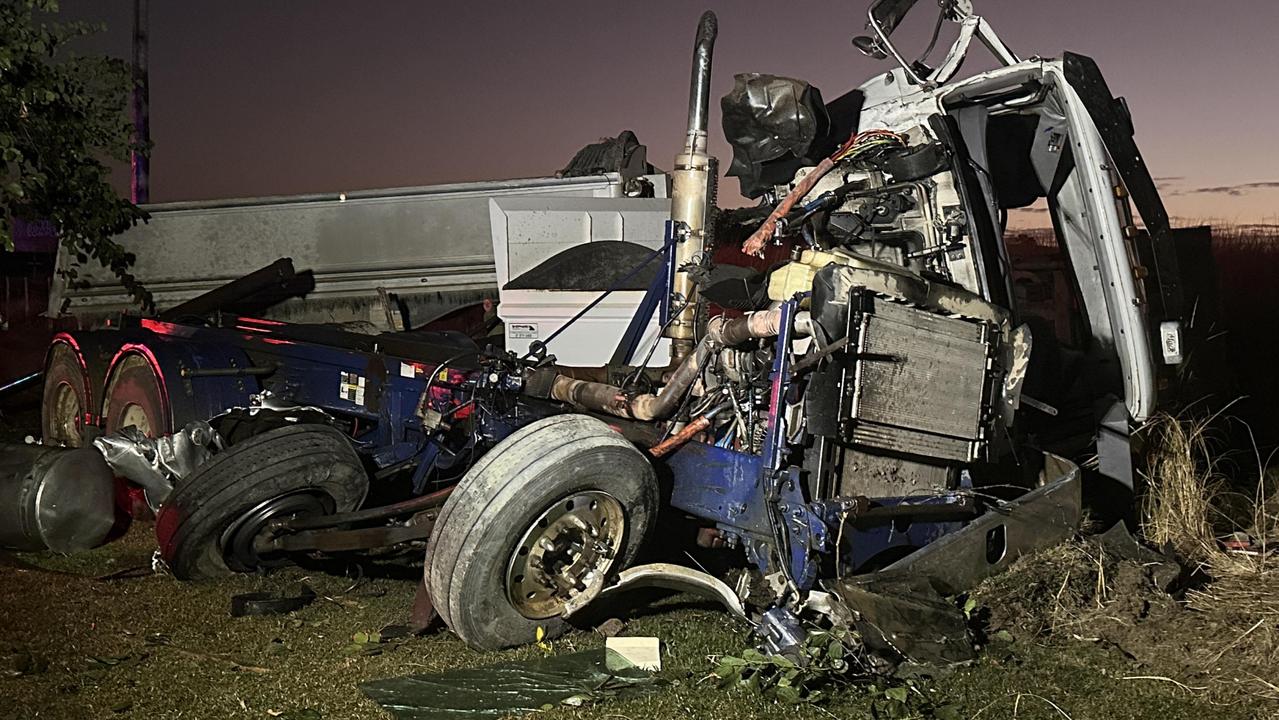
1243, 604
1181, 484
1187, 505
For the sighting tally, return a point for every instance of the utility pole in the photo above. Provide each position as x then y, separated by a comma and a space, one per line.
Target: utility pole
140, 181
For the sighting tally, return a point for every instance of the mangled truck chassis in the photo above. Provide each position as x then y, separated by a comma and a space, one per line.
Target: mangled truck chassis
876, 403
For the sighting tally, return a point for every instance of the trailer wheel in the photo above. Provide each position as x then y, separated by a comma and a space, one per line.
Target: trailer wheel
556, 504
213, 522
65, 399
134, 396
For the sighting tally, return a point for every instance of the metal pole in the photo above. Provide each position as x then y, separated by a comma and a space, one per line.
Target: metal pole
140, 183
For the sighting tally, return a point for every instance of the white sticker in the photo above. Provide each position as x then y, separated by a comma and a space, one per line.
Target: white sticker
406, 370
523, 331
351, 387
1170, 341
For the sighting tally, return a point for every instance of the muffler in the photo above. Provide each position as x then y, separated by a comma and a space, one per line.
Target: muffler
692, 192
52, 498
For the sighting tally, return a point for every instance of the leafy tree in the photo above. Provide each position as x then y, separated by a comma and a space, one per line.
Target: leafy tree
63, 118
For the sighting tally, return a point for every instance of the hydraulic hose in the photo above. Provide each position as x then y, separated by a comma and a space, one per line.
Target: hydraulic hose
690, 431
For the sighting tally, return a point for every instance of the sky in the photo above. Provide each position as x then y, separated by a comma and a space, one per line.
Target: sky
291, 96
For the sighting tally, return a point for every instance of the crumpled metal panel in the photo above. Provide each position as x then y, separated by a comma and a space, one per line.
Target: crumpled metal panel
1041, 518
155, 463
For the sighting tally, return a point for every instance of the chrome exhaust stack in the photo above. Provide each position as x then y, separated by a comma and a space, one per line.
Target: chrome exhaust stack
692, 192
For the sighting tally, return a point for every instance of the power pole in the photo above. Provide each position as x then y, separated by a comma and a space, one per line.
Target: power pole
140, 181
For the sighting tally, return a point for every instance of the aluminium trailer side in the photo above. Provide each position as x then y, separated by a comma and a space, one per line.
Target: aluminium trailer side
430, 246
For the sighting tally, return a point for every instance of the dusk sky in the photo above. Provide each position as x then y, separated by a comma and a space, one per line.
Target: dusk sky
256, 98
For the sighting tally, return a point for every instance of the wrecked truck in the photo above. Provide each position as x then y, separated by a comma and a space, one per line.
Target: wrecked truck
873, 400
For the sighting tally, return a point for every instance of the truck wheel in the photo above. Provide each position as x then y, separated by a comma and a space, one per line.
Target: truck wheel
65, 398
213, 522
553, 506
134, 396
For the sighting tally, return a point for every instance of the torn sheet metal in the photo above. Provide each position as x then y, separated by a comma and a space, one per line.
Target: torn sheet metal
901, 618
1041, 518
156, 463
668, 576
511, 688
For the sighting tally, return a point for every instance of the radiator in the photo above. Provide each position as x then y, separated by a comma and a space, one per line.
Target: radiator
919, 383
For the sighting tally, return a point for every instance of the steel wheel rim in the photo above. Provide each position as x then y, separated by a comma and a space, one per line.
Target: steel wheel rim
571, 544
245, 544
136, 416
66, 416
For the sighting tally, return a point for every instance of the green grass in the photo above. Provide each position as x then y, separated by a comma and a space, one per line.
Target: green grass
93, 635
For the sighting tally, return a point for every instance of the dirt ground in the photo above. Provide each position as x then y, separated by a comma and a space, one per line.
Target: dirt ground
98, 636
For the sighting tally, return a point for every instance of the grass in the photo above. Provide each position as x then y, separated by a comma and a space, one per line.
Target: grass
92, 634
1182, 482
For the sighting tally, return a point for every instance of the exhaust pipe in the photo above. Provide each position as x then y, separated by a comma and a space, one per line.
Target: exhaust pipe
613, 400
692, 185
699, 91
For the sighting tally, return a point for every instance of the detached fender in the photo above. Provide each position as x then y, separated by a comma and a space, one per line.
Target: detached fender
667, 576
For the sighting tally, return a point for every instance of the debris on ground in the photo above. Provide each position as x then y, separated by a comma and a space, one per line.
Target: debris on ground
1073, 588
902, 619
1207, 630
610, 627
272, 603
644, 653
571, 680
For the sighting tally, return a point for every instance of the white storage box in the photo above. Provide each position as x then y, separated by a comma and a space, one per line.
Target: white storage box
529, 231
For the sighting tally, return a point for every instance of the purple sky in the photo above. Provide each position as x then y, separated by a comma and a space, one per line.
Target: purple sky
255, 98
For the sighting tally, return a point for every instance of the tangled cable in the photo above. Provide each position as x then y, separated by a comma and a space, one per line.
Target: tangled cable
858, 145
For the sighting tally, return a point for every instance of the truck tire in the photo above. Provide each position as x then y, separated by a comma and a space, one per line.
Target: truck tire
551, 507
135, 396
65, 399
206, 527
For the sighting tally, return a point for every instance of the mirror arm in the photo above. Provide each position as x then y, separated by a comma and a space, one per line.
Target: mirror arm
886, 44
997, 47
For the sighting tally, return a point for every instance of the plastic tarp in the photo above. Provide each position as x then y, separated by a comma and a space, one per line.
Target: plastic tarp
511, 688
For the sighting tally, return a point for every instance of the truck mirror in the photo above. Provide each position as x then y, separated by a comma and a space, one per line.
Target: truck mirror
869, 47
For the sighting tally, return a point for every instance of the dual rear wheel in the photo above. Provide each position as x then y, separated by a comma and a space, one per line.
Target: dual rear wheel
133, 395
